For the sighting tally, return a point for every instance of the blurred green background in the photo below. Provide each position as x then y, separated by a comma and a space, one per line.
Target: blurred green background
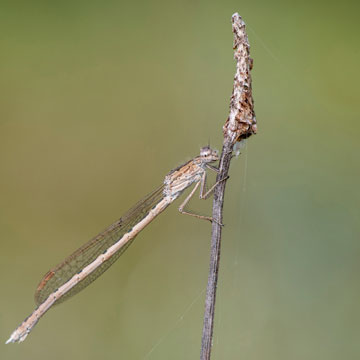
100, 99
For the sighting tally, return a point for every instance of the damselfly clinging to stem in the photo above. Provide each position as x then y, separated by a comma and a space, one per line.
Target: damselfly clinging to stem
88, 262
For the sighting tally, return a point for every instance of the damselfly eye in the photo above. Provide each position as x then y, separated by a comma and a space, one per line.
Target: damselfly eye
209, 154
205, 151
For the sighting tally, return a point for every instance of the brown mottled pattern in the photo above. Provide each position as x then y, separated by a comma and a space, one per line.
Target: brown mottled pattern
241, 122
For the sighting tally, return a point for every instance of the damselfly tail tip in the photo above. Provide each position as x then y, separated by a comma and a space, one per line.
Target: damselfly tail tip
16, 337
10, 340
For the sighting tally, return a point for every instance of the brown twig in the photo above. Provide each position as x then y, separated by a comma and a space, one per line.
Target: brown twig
240, 124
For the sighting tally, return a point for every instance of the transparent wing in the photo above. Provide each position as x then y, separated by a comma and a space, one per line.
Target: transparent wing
87, 253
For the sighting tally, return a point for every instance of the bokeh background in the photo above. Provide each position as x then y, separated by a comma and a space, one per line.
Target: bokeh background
100, 99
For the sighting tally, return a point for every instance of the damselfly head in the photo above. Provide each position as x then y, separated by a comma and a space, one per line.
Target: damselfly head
209, 155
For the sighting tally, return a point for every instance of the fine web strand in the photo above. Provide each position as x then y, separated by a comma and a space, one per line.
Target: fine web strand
174, 326
219, 313
289, 71
241, 212
236, 256
263, 44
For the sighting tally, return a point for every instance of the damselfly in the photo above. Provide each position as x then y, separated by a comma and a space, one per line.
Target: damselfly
88, 262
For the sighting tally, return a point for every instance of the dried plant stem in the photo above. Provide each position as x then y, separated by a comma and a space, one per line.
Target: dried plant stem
240, 124
219, 192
